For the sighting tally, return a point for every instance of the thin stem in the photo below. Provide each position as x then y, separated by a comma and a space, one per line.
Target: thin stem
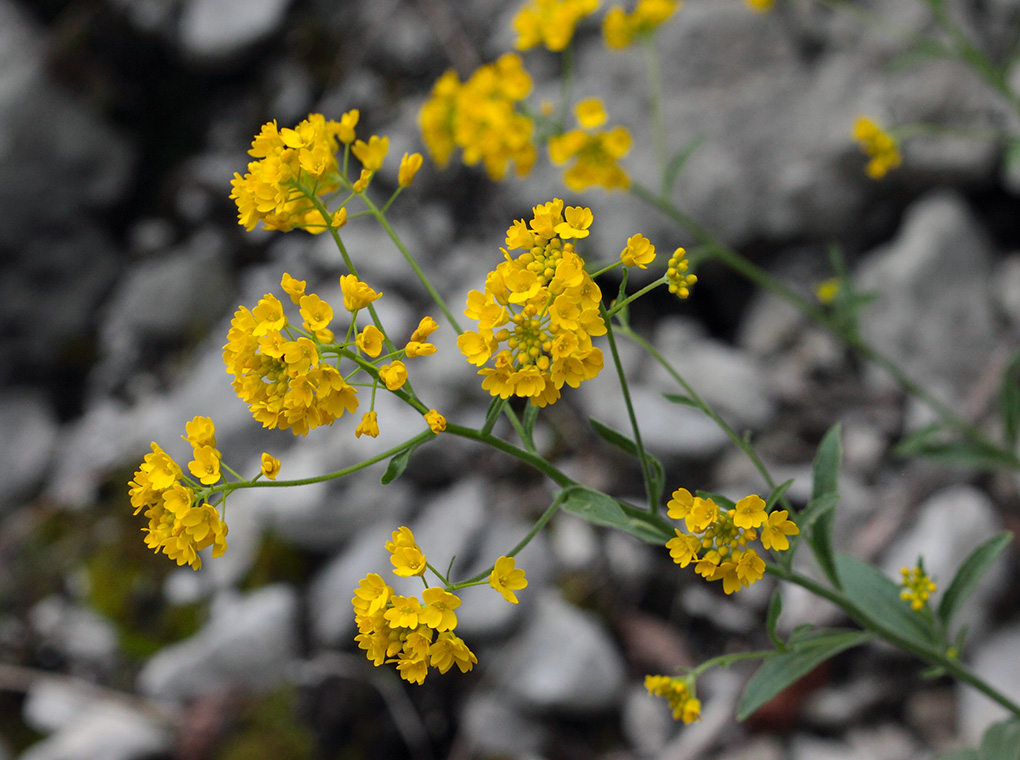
767, 282
646, 465
655, 101
619, 306
536, 461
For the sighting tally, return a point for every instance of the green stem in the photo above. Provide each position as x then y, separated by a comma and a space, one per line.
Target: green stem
426, 283
646, 466
932, 657
655, 101
767, 282
536, 461
619, 306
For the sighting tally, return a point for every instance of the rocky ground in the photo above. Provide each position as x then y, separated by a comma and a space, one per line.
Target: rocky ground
121, 123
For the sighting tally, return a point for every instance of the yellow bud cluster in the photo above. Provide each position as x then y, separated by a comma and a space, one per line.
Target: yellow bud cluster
879, 145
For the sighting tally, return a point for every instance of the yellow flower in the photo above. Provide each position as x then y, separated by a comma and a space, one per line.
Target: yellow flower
827, 290
639, 252
679, 692
270, 466
393, 375
760, 6
776, 529
362, 183
405, 555
409, 166
425, 328
316, 313
345, 131
372, 153
506, 578
436, 421
449, 650
879, 145
357, 295
439, 610
750, 512
200, 432
590, 113
917, 587
206, 465
370, 340
369, 425
293, 288
372, 595
339, 218
480, 116
414, 349
577, 220
404, 612
619, 29
550, 22
595, 156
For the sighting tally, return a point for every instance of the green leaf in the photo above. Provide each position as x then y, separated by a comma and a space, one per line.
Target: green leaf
784, 668
815, 509
777, 494
677, 163
775, 610
921, 51
970, 573
960, 754
825, 480
1009, 400
1001, 741
628, 446
676, 398
934, 442
397, 465
876, 596
1011, 158
594, 506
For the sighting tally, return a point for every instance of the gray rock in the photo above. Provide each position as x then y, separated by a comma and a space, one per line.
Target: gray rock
26, 448
996, 662
932, 281
87, 639
214, 32
646, 726
90, 728
564, 660
494, 727
1006, 289
248, 643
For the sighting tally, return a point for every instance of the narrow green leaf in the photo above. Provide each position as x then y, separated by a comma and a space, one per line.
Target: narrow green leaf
879, 598
1009, 400
397, 465
825, 471
815, 509
676, 398
594, 506
676, 164
784, 668
1001, 741
777, 494
1011, 158
775, 610
960, 754
970, 574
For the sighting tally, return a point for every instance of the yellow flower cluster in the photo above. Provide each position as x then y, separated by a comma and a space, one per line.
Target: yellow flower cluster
678, 693
480, 117
550, 22
404, 631
717, 540
289, 159
595, 153
879, 145
282, 371
539, 311
680, 283
620, 29
917, 587
760, 6
178, 526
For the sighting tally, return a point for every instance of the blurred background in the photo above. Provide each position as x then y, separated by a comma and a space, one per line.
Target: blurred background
121, 263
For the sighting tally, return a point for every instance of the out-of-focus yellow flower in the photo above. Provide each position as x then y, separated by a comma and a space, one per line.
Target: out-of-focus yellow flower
594, 154
409, 166
879, 145
550, 22
620, 29
680, 695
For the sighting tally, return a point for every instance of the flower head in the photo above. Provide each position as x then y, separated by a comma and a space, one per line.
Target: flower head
357, 295
550, 22
679, 692
506, 578
639, 252
409, 166
436, 421
620, 29
680, 282
593, 154
917, 586
270, 466
879, 145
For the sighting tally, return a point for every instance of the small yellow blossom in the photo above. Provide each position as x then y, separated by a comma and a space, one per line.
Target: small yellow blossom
339, 218
590, 113
750, 512
393, 375
357, 295
639, 252
680, 283
370, 340
316, 313
436, 421
593, 155
550, 22
619, 29
879, 145
206, 465
372, 153
776, 529
345, 131
415, 348
827, 290
680, 695
917, 587
293, 288
760, 6
362, 182
200, 431
425, 328
270, 466
506, 578
369, 425
439, 610
575, 224
409, 166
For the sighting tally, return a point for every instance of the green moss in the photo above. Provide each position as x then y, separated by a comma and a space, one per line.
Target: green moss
270, 730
